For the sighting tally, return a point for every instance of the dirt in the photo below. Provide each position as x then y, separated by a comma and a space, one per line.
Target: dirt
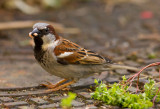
127, 34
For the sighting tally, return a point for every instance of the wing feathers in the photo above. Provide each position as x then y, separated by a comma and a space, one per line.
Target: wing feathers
70, 53
65, 54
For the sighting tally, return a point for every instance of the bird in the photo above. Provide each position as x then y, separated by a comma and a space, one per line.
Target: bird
68, 60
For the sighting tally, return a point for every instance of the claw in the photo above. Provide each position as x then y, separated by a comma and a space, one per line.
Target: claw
49, 85
58, 86
62, 87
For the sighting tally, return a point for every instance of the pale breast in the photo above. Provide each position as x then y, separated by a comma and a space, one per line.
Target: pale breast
46, 59
49, 63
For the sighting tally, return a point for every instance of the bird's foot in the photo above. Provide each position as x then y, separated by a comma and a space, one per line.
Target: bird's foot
52, 86
61, 87
49, 85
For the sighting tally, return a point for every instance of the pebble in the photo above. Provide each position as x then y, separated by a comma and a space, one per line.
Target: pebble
57, 98
112, 79
122, 71
51, 106
132, 89
6, 99
18, 103
85, 94
91, 107
38, 100
77, 103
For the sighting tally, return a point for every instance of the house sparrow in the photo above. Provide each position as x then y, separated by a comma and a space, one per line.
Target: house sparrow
65, 59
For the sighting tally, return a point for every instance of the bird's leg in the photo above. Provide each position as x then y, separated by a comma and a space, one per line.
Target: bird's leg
51, 86
61, 87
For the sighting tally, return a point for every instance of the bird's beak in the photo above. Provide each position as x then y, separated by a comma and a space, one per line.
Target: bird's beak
34, 33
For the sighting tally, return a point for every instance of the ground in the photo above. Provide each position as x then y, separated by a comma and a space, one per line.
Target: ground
126, 32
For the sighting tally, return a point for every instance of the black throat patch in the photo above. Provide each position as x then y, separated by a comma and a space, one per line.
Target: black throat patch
38, 52
38, 44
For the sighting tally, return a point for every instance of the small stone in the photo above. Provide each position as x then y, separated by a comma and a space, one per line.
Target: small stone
151, 61
57, 98
158, 106
85, 94
132, 89
51, 106
26, 107
89, 101
91, 107
103, 75
38, 100
77, 103
112, 79
6, 99
116, 107
157, 79
80, 108
143, 81
122, 71
153, 73
131, 63
109, 107
18, 103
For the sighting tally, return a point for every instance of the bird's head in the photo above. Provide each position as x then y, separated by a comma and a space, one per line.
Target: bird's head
43, 33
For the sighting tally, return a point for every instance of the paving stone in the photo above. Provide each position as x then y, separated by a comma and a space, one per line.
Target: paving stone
57, 98
89, 101
49, 106
143, 81
80, 108
85, 94
77, 103
132, 89
109, 107
18, 103
122, 71
91, 107
151, 61
131, 63
115, 107
103, 75
6, 99
112, 79
158, 106
8, 107
157, 79
26, 107
153, 73
38, 100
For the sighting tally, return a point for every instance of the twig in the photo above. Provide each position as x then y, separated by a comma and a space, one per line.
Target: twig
130, 80
30, 23
155, 96
137, 74
157, 91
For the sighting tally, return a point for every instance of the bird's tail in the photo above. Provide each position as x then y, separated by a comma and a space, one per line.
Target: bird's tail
117, 66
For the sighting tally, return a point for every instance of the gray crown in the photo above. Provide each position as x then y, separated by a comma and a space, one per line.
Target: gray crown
40, 25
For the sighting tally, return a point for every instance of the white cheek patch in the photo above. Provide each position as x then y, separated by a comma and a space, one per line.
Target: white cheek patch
65, 54
48, 38
50, 45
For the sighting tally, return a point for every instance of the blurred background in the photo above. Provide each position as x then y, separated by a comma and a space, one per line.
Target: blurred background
127, 31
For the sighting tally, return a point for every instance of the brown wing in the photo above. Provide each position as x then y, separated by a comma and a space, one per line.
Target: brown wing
75, 54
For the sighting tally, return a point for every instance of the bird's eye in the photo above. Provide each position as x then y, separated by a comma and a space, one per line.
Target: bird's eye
45, 31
